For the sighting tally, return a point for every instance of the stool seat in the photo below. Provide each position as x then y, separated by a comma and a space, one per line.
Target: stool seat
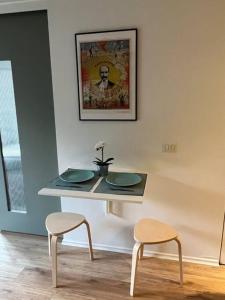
61, 222
150, 231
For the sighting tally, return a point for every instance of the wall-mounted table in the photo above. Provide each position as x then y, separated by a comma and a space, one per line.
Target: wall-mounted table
98, 189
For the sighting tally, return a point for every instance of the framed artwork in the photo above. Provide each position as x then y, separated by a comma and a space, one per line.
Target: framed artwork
106, 72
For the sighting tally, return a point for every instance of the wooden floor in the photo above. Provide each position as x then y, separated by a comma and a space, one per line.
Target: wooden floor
25, 274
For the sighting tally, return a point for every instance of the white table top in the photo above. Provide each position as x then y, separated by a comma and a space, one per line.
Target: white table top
95, 196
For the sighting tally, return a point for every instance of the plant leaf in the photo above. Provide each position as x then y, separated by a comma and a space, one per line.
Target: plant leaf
109, 159
98, 159
98, 163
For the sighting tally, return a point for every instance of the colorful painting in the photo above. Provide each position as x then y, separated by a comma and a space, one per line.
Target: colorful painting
104, 74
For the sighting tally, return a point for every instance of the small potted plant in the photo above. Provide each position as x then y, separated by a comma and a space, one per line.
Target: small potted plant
103, 165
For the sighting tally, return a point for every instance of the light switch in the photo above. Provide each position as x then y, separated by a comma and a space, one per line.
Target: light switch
171, 148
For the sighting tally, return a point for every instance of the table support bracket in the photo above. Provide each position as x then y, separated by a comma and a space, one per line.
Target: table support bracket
109, 207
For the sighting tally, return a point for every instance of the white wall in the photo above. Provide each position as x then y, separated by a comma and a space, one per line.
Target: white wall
181, 80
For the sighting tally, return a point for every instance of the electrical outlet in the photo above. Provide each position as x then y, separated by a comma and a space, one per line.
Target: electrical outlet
171, 148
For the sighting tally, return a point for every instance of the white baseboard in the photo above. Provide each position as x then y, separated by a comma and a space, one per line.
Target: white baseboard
198, 260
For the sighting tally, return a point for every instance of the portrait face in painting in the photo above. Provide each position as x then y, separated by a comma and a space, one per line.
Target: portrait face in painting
104, 72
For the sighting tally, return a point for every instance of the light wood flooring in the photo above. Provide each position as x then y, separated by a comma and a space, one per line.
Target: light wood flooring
25, 273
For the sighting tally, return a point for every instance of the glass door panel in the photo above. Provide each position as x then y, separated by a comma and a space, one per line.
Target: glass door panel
10, 147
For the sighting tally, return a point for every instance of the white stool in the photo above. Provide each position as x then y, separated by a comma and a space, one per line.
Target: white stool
58, 224
149, 231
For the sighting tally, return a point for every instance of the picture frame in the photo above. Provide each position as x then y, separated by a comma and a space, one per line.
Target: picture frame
107, 75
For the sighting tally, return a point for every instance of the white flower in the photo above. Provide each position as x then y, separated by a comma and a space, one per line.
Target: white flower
100, 145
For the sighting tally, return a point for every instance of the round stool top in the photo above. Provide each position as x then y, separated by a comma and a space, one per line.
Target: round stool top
153, 232
62, 222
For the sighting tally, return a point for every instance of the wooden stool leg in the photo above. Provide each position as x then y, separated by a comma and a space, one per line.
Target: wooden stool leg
180, 260
49, 244
54, 259
134, 267
89, 239
141, 251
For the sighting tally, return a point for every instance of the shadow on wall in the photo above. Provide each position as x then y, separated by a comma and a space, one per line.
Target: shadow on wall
196, 213
172, 195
